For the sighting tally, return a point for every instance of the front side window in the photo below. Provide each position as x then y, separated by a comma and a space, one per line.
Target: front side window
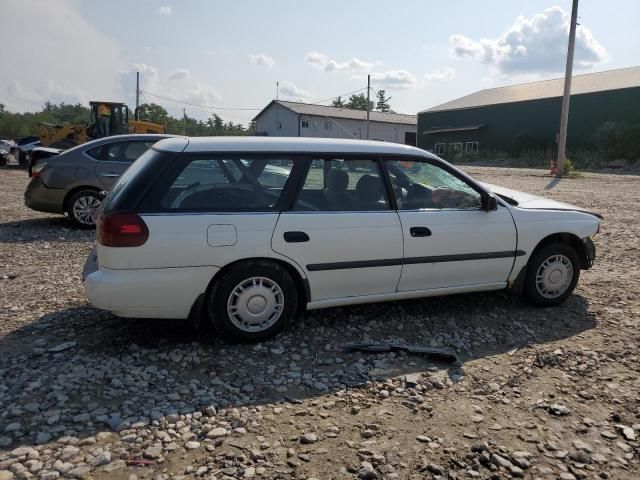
233, 184
342, 185
420, 185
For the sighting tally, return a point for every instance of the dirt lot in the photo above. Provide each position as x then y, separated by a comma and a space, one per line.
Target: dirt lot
541, 393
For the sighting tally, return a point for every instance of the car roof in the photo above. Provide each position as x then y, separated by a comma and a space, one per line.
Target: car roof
118, 138
285, 144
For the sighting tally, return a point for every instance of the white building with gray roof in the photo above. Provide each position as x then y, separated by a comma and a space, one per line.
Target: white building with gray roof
282, 118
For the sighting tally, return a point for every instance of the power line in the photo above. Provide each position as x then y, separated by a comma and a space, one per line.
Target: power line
197, 105
201, 110
341, 95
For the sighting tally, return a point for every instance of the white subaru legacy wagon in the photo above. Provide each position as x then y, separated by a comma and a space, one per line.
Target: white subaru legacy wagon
244, 232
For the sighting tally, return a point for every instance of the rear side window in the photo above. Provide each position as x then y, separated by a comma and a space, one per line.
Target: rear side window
126, 152
227, 185
342, 185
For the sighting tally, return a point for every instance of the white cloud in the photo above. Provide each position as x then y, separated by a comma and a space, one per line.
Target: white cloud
290, 90
446, 73
532, 45
394, 79
180, 85
262, 59
323, 62
39, 67
179, 74
164, 10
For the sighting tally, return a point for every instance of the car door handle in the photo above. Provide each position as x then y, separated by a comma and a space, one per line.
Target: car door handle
110, 175
295, 237
420, 232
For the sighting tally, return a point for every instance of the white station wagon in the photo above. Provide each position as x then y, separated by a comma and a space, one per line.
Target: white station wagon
244, 232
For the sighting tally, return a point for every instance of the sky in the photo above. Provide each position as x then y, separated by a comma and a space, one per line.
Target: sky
230, 54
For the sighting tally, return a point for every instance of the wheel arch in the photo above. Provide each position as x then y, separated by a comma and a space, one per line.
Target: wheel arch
570, 239
302, 284
73, 191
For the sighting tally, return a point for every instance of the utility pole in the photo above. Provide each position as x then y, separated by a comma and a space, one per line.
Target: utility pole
277, 89
137, 114
184, 121
368, 102
564, 116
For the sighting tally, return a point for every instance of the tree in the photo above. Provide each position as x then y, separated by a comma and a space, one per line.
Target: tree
338, 103
383, 104
359, 102
154, 113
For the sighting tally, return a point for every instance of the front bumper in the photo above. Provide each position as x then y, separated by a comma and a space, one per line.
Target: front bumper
590, 252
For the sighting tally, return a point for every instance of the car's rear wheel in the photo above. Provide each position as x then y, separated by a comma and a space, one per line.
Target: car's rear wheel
80, 207
552, 275
252, 301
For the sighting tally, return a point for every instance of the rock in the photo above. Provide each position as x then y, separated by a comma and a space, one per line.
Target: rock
567, 476
6, 475
68, 452
62, 467
192, 445
43, 437
423, 439
500, 461
608, 434
114, 466
101, 459
13, 427
516, 471
308, 438
217, 432
580, 445
580, 456
628, 433
62, 347
367, 472
49, 475
249, 472
82, 473
477, 418
153, 453
559, 409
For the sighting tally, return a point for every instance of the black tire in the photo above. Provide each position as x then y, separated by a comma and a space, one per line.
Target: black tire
222, 289
531, 290
76, 218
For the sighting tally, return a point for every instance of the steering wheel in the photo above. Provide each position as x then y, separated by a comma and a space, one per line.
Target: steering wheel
223, 193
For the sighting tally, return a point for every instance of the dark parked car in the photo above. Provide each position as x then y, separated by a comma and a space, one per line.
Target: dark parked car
71, 182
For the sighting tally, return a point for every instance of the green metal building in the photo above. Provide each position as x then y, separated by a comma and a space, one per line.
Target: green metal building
518, 117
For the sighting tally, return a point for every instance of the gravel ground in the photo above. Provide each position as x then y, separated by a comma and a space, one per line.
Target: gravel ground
541, 393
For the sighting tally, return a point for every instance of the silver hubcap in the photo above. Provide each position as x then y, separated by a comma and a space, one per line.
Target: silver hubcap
82, 209
255, 304
554, 276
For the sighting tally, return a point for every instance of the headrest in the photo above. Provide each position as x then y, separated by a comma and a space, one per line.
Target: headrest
369, 189
337, 180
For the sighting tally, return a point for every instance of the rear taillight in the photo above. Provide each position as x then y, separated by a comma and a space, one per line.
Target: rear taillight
37, 169
121, 230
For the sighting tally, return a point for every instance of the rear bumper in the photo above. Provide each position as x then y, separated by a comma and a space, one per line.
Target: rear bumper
42, 199
147, 293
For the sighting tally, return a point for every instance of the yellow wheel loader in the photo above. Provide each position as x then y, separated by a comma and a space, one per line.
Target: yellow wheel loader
106, 119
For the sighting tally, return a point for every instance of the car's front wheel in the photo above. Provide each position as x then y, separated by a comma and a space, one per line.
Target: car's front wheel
252, 301
80, 207
552, 275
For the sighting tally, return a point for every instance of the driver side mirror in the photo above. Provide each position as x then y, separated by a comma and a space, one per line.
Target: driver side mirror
489, 203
